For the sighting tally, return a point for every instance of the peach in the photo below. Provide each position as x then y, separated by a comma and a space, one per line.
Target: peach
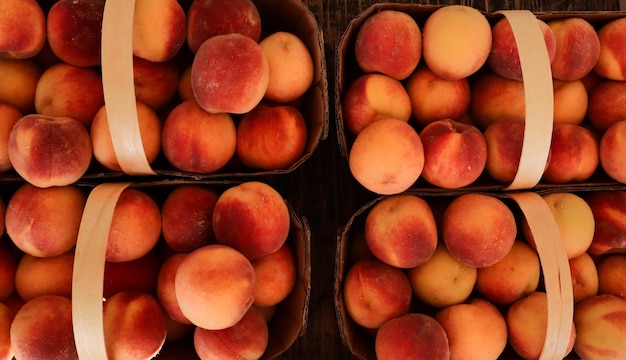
527, 320
611, 150
50, 151
14, 302
442, 280
373, 97
6, 318
159, 29
584, 275
476, 330
9, 115
600, 327
400, 231
387, 156
571, 101
19, 82
223, 272
456, 41
478, 229
253, 218
246, 340
185, 92
139, 274
290, 65
186, 216
230, 73
166, 290
134, 325
74, 31
434, 98
455, 154
206, 19
577, 48
42, 327
516, 275
8, 267
271, 137
609, 212
374, 293
156, 83
389, 42
37, 276
102, 143
194, 140
611, 63
132, 236
606, 104
495, 98
504, 56
23, 29
504, 139
412, 336
612, 275
71, 91
275, 277
45, 221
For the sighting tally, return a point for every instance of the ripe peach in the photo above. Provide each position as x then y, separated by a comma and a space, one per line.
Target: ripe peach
611, 150
166, 290
247, 339
19, 81
253, 218
476, 330
570, 101
584, 275
374, 292
609, 212
102, 143
37, 276
45, 221
271, 137
527, 320
442, 280
455, 154
456, 41
290, 65
185, 92
194, 140
49, 151
612, 275
606, 104
516, 275
186, 216
611, 63
504, 57
132, 236
159, 29
600, 327
42, 327
434, 98
223, 272
74, 31
8, 267
478, 229
373, 97
495, 98
577, 48
230, 73
400, 231
9, 115
504, 148
412, 336
387, 156
389, 42
275, 277
156, 83
6, 318
23, 29
206, 18
134, 325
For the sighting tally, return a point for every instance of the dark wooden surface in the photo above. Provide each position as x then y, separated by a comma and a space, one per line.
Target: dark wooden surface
323, 190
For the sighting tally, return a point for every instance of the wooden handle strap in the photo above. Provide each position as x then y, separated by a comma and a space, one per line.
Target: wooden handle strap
556, 272
119, 87
88, 271
538, 95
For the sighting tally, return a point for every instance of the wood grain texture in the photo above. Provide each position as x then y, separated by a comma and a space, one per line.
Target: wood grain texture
323, 190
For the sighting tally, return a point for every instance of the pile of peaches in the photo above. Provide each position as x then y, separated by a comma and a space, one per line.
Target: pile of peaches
199, 260
451, 277
442, 99
212, 89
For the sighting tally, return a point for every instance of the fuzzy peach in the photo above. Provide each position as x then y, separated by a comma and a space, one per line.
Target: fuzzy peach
495, 98
611, 150
585, 280
612, 275
577, 48
504, 148
23, 29
606, 102
156, 83
166, 290
37, 276
19, 83
609, 212
159, 29
412, 336
611, 62
600, 327
9, 115
275, 277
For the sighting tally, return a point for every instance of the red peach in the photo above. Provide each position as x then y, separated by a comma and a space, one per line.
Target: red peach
495, 98
185, 92
9, 115
612, 275
166, 291
275, 277
23, 29
37, 276
585, 280
609, 212
139, 274
504, 139
600, 327
412, 336
577, 48
156, 83
8, 265
19, 81
606, 104
159, 29
611, 63
6, 318
611, 150
574, 154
